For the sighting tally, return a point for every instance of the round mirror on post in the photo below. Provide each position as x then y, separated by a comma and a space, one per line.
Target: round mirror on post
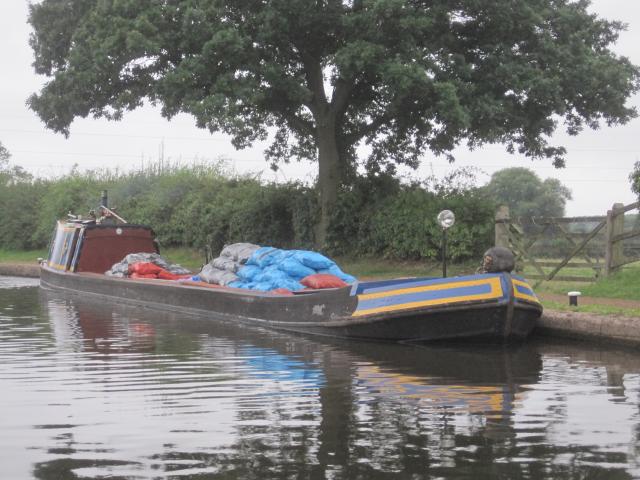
446, 219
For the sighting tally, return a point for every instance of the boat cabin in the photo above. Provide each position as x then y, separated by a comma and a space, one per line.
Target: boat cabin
96, 243
87, 246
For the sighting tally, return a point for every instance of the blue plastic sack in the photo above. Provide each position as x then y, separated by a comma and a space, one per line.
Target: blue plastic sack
258, 257
276, 276
271, 258
270, 274
292, 267
248, 272
335, 270
313, 260
292, 285
263, 286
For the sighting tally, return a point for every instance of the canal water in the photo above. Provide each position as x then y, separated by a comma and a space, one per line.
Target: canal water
100, 390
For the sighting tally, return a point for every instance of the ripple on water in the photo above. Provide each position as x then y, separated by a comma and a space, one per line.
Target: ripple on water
104, 391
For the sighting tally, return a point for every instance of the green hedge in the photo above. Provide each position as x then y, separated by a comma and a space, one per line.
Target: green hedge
204, 205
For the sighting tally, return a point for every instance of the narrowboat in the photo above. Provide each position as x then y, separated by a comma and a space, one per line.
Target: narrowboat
489, 306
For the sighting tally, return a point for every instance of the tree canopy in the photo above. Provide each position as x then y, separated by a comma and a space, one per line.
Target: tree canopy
11, 173
634, 178
4, 154
527, 195
323, 78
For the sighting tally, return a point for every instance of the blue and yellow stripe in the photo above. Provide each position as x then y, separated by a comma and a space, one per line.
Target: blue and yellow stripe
522, 291
474, 398
429, 292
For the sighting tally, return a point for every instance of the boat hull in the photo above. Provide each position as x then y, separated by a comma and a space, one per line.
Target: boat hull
328, 313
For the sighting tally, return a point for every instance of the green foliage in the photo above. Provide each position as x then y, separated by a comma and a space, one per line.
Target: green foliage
19, 205
18, 198
527, 195
634, 178
401, 77
4, 154
204, 205
623, 284
380, 216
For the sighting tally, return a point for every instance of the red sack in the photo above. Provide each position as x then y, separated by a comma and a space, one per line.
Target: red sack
144, 268
164, 275
141, 275
282, 291
322, 280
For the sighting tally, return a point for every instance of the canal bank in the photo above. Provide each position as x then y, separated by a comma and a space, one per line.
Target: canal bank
592, 327
597, 327
30, 270
607, 329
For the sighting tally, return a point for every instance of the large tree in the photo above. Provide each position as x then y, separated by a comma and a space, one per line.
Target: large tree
527, 195
324, 77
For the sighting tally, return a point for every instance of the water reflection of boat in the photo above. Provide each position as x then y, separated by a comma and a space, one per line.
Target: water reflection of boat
471, 378
290, 406
494, 306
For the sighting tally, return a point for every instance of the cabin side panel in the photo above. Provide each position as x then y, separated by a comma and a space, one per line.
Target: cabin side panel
102, 247
63, 246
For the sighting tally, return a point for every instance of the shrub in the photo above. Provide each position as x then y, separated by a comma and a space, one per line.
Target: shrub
204, 205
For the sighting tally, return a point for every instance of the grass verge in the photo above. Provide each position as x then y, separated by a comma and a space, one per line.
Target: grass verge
596, 309
624, 284
19, 256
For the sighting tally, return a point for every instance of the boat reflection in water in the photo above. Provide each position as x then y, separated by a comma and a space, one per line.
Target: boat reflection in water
215, 399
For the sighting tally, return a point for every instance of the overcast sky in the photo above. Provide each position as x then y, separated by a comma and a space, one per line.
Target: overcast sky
598, 162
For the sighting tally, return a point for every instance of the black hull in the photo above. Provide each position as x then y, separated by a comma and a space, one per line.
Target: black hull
325, 313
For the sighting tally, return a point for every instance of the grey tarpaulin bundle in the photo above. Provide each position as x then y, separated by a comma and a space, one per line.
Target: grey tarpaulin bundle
121, 269
222, 270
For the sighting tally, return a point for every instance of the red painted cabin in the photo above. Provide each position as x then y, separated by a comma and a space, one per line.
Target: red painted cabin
91, 247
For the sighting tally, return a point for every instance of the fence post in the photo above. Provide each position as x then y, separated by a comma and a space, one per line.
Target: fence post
502, 227
615, 226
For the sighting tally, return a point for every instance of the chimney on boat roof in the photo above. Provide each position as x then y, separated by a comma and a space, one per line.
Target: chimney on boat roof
104, 200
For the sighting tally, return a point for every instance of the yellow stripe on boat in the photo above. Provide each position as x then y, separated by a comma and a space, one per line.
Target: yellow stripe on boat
521, 295
474, 398
426, 288
57, 266
494, 293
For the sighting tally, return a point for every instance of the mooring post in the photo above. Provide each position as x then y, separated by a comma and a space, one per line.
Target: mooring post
502, 227
615, 226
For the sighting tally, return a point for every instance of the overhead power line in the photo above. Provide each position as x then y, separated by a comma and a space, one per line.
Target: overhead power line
122, 135
214, 139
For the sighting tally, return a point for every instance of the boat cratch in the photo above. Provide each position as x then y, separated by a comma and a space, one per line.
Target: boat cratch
488, 306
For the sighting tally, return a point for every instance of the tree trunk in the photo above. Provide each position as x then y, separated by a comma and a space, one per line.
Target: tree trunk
328, 175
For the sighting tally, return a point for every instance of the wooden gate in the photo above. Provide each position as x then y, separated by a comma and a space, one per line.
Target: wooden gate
598, 248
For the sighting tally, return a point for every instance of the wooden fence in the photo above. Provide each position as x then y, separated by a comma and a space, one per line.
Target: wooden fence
596, 246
